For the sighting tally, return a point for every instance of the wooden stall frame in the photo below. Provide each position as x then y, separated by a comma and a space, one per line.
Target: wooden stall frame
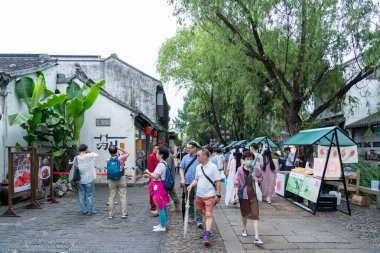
11, 195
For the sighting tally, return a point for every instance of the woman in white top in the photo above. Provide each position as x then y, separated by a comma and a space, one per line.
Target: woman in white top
86, 187
157, 189
232, 168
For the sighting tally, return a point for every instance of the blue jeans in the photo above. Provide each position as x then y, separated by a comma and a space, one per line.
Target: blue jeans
162, 214
86, 197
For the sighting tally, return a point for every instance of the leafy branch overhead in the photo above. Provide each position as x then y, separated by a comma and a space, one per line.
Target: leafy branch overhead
308, 54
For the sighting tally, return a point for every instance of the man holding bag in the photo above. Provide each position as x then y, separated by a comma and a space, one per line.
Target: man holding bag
207, 179
248, 193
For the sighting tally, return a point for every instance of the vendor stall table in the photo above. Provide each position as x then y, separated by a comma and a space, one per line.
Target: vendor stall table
333, 146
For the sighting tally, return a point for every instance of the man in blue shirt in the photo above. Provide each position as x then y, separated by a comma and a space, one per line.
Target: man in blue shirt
290, 157
192, 148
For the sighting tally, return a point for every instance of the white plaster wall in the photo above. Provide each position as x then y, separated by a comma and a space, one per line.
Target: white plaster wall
93, 69
368, 94
122, 125
10, 135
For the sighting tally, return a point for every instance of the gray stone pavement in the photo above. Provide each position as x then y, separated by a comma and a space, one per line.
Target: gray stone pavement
61, 228
285, 227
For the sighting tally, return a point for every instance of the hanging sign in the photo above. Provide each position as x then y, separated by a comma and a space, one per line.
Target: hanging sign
333, 169
349, 154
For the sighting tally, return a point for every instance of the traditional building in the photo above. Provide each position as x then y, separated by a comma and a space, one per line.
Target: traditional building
131, 111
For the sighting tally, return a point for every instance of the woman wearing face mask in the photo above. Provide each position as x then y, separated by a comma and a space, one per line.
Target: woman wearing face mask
245, 179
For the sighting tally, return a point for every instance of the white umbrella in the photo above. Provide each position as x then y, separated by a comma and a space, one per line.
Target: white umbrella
186, 220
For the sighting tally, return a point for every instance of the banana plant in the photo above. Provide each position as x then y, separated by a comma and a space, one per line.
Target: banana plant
38, 100
78, 103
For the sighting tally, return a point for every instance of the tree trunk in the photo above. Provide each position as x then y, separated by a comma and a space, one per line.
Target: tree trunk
292, 119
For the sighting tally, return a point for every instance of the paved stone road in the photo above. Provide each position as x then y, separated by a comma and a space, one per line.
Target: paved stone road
61, 228
287, 228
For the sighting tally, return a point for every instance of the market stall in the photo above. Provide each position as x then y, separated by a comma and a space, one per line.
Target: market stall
334, 148
262, 142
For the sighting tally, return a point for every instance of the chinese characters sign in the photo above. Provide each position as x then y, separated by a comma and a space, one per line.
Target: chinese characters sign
105, 141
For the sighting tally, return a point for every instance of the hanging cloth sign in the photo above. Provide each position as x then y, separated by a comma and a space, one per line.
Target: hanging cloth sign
349, 154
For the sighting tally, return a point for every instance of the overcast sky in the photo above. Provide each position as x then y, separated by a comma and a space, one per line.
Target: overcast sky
133, 29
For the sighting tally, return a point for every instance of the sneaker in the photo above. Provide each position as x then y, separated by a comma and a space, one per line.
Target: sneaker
269, 202
190, 220
199, 223
110, 217
157, 226
124, 216
159, 229
203, 234
244, 233
206, 239
258, 242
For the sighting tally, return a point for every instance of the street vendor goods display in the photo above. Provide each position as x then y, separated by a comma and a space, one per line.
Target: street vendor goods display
304, 171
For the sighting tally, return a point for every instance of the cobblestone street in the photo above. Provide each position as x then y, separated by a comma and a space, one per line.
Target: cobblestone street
61, 228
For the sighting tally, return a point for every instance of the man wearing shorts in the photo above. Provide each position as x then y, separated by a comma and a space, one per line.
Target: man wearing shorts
207, 178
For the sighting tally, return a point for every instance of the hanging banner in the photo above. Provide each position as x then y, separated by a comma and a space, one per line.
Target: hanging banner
304, 186
349, 154
333, 169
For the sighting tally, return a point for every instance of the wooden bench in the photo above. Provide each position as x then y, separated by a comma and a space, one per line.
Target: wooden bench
361, 188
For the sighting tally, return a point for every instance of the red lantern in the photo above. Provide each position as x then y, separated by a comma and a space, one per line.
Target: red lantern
155, 133
148, 130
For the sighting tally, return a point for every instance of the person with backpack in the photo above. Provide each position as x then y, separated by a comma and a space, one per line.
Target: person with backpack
117, 182
162, 181
246, 190
207, 179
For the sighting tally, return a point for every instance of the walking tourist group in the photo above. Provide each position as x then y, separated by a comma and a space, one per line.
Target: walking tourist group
247, 176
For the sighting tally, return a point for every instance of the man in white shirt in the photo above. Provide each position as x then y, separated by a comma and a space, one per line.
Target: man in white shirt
207, 178
253, 148
290, 157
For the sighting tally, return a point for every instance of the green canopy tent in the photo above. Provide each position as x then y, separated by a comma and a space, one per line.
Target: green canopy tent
240, 143
328, 136
262, 140
231, 144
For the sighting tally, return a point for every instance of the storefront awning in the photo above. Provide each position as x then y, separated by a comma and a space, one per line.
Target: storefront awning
320, 136
262, 140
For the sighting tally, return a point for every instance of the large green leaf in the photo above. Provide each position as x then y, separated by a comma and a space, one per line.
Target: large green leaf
51, 121
36, 119
78, 124
38, 90
72, 90
59, 152
53, 101
19, 118
59, 135
92, 95
30, 138
24, 88
74, 107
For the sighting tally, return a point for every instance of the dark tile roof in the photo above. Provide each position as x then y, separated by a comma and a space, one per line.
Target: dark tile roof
22, 64
371, 120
